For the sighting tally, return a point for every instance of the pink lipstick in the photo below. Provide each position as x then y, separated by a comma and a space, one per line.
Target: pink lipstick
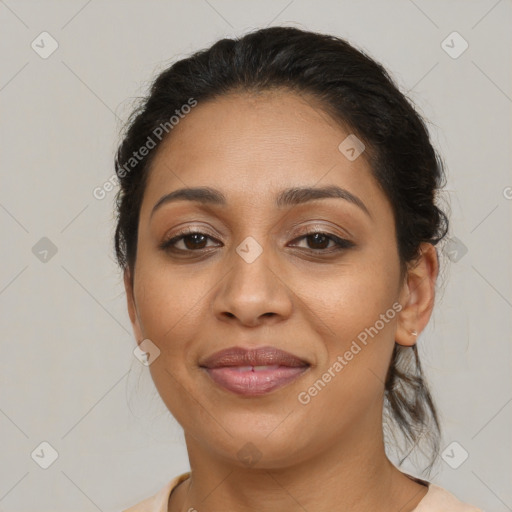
253, 372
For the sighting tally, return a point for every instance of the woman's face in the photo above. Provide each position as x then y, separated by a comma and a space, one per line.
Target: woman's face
254, 279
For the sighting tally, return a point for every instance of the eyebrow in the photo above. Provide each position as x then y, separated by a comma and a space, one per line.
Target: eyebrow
288, 197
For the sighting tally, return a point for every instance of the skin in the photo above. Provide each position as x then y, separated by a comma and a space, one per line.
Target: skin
328, 454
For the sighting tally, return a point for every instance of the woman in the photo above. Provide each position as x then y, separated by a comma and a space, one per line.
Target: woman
277, 228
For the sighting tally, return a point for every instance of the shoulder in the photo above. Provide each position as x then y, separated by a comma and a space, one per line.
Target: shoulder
438, 499
159, 501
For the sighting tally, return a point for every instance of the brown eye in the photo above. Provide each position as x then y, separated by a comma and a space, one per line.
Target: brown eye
195, 241
318, 241
191, 241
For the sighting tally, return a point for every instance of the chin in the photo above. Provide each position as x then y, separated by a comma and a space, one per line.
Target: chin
260, 448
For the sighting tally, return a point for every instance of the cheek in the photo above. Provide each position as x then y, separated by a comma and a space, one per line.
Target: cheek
354, 296
171, 306
171, 317
359, 307
349, 382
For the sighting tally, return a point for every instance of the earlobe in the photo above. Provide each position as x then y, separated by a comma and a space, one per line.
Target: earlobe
417, 296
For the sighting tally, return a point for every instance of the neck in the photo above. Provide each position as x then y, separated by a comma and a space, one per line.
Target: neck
355, 475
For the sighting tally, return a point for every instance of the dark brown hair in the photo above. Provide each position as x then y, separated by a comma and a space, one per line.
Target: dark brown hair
356, 91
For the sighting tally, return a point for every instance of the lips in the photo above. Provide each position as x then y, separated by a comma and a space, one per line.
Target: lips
265, 356
253, 372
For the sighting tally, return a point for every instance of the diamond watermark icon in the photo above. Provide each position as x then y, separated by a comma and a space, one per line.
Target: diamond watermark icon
146, 352
454, 455
249, 249
44, 45
351, 147
454, 45
455, 249
44, 455
44, 250
249, 454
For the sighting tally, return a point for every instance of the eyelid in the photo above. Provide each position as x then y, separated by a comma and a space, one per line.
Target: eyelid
309, 229
340, 243
318, 228
191, 229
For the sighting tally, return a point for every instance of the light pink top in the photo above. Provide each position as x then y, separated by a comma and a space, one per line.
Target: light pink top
437, 499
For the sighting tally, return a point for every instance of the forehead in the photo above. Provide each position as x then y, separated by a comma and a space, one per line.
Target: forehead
251, 146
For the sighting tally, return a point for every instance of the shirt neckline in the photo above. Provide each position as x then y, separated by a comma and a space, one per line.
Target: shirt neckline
173, 484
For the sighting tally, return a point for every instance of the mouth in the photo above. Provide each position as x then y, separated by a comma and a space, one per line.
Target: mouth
253, 372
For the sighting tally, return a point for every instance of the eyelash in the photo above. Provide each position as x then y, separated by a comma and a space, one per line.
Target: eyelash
341, 243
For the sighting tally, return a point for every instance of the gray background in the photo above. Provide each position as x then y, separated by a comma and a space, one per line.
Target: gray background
67, 372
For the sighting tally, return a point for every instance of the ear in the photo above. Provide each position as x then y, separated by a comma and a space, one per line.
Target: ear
417, 296
132, 308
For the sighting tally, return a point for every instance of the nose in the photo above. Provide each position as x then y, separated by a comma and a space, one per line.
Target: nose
253, 292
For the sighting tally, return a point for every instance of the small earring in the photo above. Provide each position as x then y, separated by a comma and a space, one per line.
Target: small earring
414, 333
